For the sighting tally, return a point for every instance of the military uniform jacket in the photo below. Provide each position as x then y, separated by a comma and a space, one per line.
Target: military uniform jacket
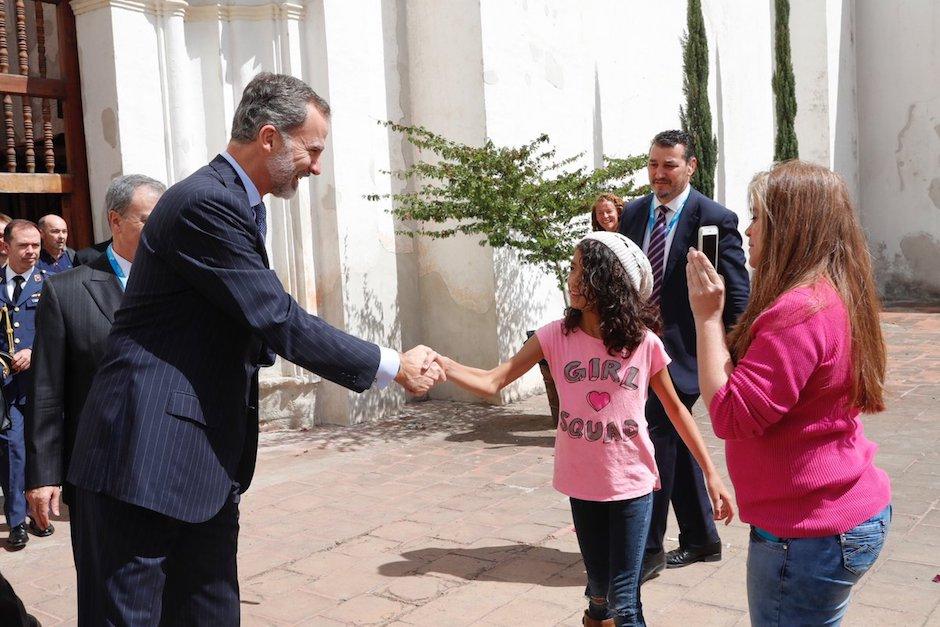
16, 387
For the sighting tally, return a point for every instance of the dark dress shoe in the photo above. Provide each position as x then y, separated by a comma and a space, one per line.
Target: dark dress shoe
18, 537
653, 564
683, 556
41, 533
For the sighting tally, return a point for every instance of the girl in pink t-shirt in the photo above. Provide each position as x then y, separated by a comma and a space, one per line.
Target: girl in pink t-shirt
604, 355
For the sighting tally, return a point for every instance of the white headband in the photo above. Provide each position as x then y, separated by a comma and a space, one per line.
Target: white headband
631, 258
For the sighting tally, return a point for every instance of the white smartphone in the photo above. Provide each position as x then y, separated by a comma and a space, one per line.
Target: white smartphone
708, 243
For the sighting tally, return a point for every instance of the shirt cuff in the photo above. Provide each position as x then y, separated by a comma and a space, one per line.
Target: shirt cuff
389, 363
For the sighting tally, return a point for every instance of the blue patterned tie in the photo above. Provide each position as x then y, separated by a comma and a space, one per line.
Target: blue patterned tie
260, 219
656, 253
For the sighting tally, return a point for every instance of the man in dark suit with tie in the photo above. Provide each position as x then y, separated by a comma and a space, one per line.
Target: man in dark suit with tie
665, 224
22, 287
168, 436
73, 320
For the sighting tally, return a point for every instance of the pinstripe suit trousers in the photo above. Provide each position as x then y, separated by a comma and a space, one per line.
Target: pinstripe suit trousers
139, 567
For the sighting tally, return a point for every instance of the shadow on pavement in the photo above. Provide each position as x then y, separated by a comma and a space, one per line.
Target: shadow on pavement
510, 430
459, 422
515, 563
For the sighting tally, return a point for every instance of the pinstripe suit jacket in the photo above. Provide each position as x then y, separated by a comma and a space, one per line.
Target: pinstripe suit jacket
72, 324
171, 421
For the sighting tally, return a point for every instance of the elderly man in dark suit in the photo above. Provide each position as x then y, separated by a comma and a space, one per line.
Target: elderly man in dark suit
665, 224
168, 437
73, 320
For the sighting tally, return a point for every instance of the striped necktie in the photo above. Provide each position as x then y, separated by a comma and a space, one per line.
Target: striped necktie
656, 252
260, 219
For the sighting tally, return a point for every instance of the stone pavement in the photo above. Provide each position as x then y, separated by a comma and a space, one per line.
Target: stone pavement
446, 516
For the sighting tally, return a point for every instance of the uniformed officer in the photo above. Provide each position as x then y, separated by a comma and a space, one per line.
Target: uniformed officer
54, 256
20, 293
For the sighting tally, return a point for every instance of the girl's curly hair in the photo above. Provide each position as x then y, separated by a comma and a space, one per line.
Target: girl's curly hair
624, 315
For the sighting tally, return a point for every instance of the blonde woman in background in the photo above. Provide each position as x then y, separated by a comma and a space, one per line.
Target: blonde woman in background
605, 213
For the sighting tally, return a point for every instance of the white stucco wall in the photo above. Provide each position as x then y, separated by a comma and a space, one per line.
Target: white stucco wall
357, 273
898, 65
161, 79
457, 283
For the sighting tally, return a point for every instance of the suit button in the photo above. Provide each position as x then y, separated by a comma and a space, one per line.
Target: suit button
16, 340
16, 309
16, 325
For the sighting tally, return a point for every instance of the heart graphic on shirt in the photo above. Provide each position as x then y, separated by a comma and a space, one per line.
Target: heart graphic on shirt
598, 400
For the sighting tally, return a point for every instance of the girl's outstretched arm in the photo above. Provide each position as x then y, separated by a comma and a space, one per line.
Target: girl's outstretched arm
489, 382
687, 429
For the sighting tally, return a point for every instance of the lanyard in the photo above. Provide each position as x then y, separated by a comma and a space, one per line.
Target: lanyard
672, 222
116, 267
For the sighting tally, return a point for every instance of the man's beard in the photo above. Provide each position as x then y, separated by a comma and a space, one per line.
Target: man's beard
281, 170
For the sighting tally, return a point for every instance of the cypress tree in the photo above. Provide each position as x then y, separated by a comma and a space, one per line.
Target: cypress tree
785, 145
696, 117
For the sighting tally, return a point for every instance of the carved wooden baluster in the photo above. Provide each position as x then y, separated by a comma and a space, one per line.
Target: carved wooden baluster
24, 70
7, 99
46, 109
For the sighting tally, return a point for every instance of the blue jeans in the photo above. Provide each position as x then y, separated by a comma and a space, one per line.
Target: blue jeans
612, 535
807, 581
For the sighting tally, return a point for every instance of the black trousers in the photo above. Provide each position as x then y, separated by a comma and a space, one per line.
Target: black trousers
682, 483
138, 567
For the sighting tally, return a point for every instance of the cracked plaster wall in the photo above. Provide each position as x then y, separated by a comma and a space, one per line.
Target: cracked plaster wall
898, 65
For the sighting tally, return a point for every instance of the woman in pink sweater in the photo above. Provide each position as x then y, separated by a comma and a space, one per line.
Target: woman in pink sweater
786, 390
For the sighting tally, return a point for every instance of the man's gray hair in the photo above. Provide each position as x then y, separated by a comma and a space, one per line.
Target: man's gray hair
121, 191
276, 99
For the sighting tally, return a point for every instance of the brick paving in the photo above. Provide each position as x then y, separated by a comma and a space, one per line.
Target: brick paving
446, 516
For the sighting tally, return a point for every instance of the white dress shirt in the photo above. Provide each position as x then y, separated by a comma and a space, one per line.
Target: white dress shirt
10, 284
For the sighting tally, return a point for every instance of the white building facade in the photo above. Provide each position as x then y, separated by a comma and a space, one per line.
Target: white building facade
161, 79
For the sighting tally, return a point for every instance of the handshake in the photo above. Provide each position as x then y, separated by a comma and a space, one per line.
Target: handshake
420, 369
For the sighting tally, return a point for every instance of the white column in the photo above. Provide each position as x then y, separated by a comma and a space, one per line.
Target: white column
357, 268
123, 93
456, 275
809, 44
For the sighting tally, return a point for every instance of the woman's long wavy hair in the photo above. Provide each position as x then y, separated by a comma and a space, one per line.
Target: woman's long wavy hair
811, 231
625, 316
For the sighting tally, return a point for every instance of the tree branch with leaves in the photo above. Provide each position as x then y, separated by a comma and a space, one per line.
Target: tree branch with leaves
524, 198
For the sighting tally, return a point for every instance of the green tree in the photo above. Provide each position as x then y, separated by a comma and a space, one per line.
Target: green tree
696, 116
785, 144
521, 197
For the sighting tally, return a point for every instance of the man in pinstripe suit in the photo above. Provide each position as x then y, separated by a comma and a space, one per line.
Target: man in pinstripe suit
168, 436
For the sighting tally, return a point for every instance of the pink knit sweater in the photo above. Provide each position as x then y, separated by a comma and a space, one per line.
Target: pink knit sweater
796, 451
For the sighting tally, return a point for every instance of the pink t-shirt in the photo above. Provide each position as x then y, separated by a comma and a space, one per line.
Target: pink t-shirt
603, 450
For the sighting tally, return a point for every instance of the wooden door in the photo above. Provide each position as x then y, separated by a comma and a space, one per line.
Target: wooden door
43, 168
